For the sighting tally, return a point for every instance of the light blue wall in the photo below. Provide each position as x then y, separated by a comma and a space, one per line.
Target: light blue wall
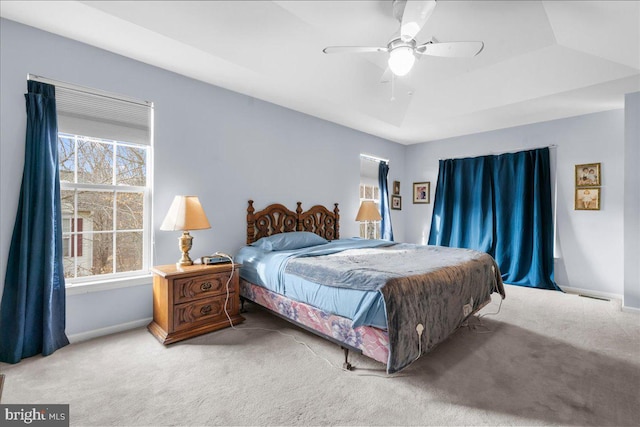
220, 145
590, 248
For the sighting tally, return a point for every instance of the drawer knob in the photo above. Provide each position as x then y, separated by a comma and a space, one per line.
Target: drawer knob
205, 286
206, 309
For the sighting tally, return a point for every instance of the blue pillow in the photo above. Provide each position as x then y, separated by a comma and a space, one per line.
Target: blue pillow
289, 241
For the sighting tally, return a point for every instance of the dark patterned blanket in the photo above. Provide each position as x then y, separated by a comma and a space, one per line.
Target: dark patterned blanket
434, 286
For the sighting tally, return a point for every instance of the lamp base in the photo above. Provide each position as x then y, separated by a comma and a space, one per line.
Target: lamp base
371, 230
185, 243
182, 263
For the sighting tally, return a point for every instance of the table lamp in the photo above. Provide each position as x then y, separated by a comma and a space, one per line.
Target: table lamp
185, 214
368, 213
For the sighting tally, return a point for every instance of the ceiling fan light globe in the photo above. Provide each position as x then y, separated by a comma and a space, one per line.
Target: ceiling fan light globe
401, 60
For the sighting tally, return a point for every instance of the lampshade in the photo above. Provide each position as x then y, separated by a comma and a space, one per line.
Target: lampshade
401, 60
185, 213
368, 212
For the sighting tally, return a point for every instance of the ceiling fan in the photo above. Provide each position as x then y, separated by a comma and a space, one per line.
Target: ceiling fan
403, 48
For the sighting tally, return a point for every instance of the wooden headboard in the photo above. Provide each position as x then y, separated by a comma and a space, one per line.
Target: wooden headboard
276, 218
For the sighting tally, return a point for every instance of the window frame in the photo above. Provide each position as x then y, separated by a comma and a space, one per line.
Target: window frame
125, 278
98, 115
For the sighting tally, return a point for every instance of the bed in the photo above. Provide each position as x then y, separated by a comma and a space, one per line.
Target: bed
390, 301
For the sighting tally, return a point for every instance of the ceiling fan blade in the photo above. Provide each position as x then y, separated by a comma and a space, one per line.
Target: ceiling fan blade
353, 49
451, 49
416, 13
386, 76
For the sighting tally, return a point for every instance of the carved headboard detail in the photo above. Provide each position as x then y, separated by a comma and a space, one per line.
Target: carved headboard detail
276, 218
321, 221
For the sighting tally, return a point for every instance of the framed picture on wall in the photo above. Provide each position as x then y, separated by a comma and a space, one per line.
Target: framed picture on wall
396, 202
421, 192
587, 199
588, 175
396, 187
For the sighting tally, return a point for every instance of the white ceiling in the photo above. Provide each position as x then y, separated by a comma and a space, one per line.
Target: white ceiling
542, 60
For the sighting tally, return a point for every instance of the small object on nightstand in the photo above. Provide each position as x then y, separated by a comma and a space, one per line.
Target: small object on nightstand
212, 260
190, 300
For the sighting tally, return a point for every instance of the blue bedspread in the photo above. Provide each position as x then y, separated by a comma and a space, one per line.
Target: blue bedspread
267, 269
371, 268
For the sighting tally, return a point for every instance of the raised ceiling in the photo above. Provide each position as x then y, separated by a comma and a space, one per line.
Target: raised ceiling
542, 60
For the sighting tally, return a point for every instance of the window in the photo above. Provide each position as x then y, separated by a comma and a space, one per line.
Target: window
103, 192
369, 190
104, 150
68, 228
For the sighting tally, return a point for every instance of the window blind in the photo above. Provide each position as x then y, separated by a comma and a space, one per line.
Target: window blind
91, 112
81, 112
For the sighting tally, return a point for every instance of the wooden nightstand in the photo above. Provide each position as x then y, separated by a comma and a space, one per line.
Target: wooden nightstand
189, 301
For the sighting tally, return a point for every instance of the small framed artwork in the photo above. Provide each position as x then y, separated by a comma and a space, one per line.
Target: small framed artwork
396, 188
396, 202
588, 175
421, 192
587, 199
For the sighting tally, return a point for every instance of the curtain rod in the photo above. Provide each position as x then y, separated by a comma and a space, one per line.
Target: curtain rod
552, 146
524, 149
90, 91
373, 158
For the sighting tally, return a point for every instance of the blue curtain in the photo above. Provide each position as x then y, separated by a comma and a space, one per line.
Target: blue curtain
464, 217
500, 205
386, 232
32, 313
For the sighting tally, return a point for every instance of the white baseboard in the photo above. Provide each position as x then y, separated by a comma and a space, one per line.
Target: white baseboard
630, 309
83, 336
590, 292
607, 295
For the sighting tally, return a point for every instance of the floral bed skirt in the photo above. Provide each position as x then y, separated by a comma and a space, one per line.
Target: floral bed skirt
373, 342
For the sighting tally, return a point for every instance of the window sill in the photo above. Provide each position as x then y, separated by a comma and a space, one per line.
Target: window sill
107, 285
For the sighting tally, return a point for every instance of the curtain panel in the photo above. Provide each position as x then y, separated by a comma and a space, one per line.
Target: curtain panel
386, 231
500, 205
32, 312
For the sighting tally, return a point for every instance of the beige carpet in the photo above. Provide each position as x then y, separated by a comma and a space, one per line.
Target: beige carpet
546, 359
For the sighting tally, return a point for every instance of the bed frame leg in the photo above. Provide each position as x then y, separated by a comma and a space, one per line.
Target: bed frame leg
346, 365
242, 300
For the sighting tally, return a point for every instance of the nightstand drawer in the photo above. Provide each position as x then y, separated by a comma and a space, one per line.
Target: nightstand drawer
192, 288
189, 315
